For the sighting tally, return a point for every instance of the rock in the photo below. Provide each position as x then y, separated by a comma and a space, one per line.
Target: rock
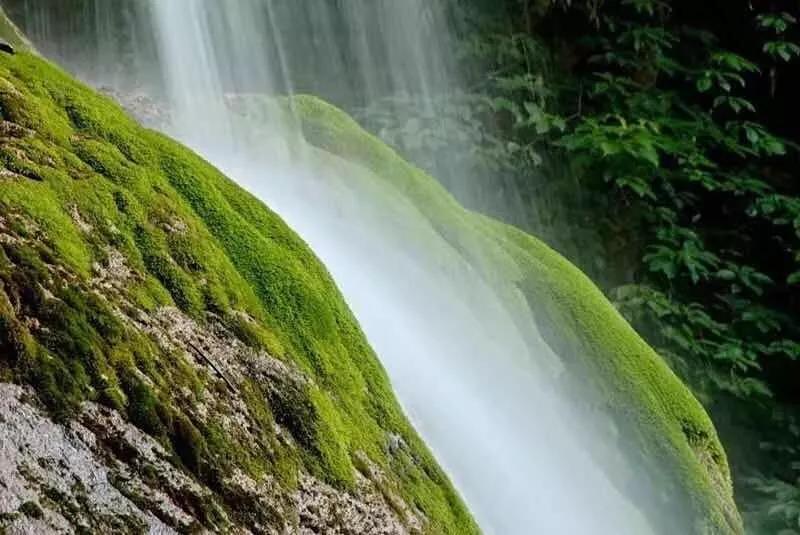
11, 37
95, 473
57, 477
395, 443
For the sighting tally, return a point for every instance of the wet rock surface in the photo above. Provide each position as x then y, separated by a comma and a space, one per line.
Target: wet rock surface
145, 109
56, 478
324, 510
100, 474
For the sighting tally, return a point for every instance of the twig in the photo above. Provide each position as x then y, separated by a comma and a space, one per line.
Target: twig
213, 366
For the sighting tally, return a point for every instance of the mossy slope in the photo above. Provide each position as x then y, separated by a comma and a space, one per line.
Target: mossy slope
81, 185
667, 427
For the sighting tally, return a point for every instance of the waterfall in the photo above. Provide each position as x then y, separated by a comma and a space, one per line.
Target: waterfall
475, 378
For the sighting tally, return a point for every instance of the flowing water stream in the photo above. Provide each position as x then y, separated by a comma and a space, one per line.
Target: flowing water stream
478, 384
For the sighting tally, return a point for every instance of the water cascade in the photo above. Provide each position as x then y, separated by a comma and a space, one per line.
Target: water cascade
308, 48
471, 370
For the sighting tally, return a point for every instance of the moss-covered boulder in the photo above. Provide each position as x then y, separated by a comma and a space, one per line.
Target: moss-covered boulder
12, 35
664, 428
189, 361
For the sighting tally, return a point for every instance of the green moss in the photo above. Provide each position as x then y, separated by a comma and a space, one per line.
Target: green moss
189, 443
83, 182
31, 510
142, 403
150, 295
636, 385
172, 277
253, 333
669, 428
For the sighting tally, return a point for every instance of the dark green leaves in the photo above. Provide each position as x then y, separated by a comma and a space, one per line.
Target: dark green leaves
680, 251
776, 22
782, 50
670, 120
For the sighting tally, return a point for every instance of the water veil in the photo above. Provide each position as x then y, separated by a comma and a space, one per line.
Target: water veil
471, 370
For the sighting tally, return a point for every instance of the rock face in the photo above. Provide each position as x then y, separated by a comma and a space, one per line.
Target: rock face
58, 478
101, 474
173, 358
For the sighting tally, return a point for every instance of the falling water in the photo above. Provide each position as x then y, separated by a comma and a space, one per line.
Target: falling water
478, 384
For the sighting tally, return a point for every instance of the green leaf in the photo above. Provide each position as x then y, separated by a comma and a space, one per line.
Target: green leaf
650, 154
608, 148
726, 274
638, 185
778, 22
733, 61
782, 50
704, 84
774, 147
752, 135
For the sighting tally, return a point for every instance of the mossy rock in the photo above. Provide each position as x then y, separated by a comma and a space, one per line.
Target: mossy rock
11, 34
663, 424
82, 184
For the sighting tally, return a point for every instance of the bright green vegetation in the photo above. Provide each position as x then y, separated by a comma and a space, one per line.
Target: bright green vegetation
671, 430
80, 181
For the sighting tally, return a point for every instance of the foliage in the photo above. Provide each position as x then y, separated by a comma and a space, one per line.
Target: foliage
496, 126
669, 129
779, 510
